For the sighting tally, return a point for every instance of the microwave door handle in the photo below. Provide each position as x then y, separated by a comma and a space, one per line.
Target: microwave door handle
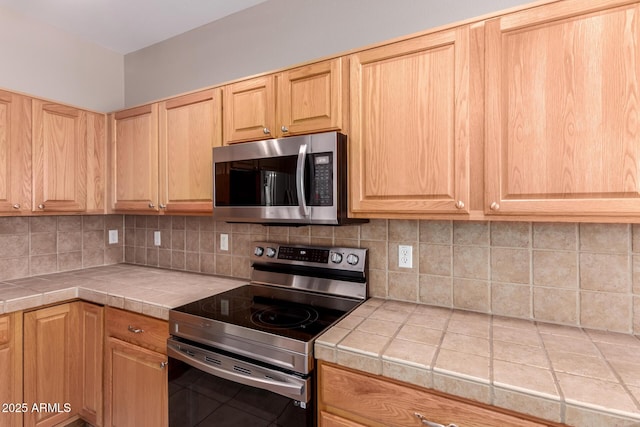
302, 162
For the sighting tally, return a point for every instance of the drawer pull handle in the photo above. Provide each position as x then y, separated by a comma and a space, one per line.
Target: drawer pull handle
134, 330
428, 423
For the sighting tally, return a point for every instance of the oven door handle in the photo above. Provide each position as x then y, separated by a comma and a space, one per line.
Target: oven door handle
292, 390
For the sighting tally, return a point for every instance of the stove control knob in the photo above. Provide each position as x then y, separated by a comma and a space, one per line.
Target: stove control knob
336, 258
353, 259
271, 252
258, 251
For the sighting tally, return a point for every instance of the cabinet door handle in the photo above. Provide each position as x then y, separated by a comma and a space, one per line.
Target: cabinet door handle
266, 131
163, 365
134, 330
284, 129
428, 423
41, 206
151, 206
494, 206
459, 204
16, 206
162, 206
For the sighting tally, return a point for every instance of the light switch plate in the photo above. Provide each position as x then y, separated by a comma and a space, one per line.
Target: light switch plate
405, 256
113, 237
156, 238
224, 242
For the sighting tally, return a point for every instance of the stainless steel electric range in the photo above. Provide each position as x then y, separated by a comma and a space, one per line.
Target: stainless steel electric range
245, 357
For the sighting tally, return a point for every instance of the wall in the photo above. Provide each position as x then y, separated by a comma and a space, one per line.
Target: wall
30, 246
280, 33
573, 274
46, 62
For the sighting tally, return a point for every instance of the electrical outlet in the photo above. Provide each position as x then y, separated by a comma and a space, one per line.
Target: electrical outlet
405, 256
224, 242
156, 238
113, 237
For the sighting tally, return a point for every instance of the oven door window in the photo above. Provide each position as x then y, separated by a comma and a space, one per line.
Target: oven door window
197, 398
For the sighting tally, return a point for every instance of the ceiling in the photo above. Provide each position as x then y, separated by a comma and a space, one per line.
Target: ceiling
126, 25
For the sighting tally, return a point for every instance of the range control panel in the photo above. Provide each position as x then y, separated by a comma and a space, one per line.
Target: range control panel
353, 259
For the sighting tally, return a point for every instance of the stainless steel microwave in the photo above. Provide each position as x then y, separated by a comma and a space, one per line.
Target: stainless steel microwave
295, 180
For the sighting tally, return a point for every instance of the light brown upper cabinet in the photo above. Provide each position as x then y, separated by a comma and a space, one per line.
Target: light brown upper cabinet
190, 126
297, 101
15, 154
162, 154
410, 126
134, 159
59, 158
563, 110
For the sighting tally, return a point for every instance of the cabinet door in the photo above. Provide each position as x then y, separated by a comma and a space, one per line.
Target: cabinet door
11, 367
190, 126
310, 98
51, 349
59, 158
15, 153
562, 115
92, 337
136, 386
409, 143
249, 110
135, 159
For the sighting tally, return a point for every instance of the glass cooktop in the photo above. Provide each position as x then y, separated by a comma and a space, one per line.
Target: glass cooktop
290, 313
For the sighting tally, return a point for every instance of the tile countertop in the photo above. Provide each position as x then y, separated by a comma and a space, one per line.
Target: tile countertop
146, 290
563, 374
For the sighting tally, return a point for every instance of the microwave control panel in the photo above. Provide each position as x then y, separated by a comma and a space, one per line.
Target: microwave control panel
322, 180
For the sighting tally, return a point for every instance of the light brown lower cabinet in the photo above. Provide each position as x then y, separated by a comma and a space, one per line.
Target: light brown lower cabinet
349, 398
11, 369
135, 370
63, 348
91, 328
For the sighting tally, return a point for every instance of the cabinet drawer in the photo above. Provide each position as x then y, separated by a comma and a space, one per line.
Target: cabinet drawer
376, 402
137, 329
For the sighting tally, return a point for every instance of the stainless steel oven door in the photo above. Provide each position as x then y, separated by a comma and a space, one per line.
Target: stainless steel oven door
209, 388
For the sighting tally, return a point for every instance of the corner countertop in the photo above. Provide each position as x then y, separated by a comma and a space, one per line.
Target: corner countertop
146, 290
570, 375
